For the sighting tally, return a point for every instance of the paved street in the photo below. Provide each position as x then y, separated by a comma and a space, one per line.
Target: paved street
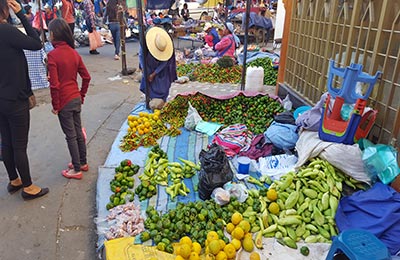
61, 225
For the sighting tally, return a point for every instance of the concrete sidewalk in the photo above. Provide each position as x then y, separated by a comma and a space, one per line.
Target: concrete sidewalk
61, 225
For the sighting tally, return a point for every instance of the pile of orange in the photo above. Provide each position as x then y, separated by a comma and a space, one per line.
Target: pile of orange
144, 122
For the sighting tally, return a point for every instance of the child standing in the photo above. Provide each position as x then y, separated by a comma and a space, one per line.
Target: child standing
64, 64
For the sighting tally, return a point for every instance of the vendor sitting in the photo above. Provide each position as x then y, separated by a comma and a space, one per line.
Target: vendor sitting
212, 37
228, 43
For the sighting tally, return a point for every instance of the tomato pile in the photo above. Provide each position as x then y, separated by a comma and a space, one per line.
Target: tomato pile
212, 73
256, 112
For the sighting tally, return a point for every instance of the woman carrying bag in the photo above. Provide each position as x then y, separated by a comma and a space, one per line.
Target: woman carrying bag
94, 36
15, 93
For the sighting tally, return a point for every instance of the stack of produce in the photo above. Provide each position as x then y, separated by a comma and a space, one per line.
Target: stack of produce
270, 73
301, 206
159, 171
212, 73
256, 112
144, 130
122, 183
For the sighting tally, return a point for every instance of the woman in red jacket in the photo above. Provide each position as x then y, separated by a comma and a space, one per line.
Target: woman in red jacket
64, 64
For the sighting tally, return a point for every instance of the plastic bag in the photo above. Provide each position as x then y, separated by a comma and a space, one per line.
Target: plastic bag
221, 196
192, 118
379, 161
215, 170
237, 190
286, 103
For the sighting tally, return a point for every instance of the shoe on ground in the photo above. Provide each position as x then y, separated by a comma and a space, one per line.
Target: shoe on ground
94, 52
70, 174
84, 168
12, 189
27, 196
116, 57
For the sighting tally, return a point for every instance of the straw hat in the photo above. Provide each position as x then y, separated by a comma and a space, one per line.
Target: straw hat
159, 44
207, 26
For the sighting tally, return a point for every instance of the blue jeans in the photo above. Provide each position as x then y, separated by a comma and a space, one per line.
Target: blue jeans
116, 34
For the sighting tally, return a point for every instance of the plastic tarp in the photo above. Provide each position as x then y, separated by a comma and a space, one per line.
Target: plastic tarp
376, 210
159, 4
257, 20
253, 55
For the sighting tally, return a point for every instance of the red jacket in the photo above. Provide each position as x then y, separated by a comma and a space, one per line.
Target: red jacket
64, 64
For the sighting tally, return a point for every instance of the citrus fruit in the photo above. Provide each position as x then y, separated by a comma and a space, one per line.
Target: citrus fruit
230, 250
230, 227
245, 225
186, 240
179, 257
131, 117
273, 208
238, 233
221, 256
185, 250
236, 243
196, 247
249, 235
236, 218
222, 243
210, 257
212, 235
248, 244
272, 195
214, 247
255, 256
194, 256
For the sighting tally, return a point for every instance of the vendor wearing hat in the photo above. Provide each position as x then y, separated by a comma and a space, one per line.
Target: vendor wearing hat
228, 43
212, 36
161, 66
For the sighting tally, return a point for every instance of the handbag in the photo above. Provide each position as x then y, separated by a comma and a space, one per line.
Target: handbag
95, 40
32, 101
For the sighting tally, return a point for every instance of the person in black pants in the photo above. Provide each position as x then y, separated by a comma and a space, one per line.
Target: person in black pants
15, 90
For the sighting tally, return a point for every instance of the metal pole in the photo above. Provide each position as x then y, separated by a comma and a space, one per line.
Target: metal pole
144, 51
246, 36
122, 37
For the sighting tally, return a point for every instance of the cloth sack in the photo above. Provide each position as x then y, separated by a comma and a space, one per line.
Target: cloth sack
379, 210
283, 136
347, 158
95, 40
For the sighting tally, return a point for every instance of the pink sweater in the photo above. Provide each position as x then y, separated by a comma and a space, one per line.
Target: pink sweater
224, 43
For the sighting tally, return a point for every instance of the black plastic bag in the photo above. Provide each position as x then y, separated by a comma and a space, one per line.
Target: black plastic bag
215, 170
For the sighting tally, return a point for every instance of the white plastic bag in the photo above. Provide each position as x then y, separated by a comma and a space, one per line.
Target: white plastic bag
192, 118
277, 165
221, 196
286, 103
237, 190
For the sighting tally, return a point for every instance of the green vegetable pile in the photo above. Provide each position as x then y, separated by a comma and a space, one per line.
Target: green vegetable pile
122, 183
192, 219
255, 112
212, 73
270, 73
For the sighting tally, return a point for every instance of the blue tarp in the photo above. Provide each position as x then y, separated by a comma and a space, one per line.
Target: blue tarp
376, 210
159, 4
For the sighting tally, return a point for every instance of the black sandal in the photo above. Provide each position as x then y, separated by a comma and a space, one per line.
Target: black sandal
12, 189
27, 196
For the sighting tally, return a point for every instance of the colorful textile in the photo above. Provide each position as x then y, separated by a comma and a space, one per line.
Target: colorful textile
234, 139
37, 68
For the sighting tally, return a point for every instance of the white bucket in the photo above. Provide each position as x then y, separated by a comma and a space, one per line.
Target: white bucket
255, 79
